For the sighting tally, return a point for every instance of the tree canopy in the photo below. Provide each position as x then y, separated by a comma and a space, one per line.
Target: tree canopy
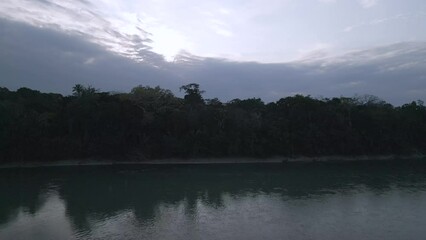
152, 123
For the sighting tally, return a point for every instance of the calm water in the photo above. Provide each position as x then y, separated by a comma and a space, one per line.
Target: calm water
307, 201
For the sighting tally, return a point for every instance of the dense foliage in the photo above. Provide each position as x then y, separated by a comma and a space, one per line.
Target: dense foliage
151, 123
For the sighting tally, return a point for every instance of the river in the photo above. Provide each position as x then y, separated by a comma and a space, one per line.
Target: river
369, 200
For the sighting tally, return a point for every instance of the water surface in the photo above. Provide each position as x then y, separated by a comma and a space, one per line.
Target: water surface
274, 201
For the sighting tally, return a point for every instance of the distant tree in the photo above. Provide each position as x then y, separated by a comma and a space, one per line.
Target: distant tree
192, 93
215, 102
370, 100
152, 99
79, 90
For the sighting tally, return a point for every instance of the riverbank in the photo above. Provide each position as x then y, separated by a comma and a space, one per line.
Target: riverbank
208, 161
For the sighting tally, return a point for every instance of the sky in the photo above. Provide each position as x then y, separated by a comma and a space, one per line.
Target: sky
234, 49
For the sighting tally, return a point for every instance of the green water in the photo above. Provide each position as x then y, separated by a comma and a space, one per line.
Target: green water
306, 201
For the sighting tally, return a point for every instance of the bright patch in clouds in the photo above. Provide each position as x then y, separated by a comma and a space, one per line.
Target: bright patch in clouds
169, 42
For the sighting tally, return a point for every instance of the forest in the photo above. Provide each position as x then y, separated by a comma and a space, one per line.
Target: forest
150, 123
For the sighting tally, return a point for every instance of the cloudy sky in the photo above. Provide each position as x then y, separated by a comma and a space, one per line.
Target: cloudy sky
234, 49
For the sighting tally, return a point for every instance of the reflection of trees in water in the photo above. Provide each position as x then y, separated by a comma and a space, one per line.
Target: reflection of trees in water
21, 189
95, 193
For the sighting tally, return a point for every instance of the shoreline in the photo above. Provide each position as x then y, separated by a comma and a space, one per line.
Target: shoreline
215, 161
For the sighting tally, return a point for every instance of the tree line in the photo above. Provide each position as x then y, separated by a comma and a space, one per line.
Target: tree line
152, 123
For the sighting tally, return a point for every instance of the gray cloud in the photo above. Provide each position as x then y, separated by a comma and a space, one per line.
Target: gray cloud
378, 21
53, 61
78, 18
396, 73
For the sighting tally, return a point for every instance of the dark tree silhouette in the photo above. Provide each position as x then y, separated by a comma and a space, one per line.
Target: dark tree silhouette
192, 94
152, 123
